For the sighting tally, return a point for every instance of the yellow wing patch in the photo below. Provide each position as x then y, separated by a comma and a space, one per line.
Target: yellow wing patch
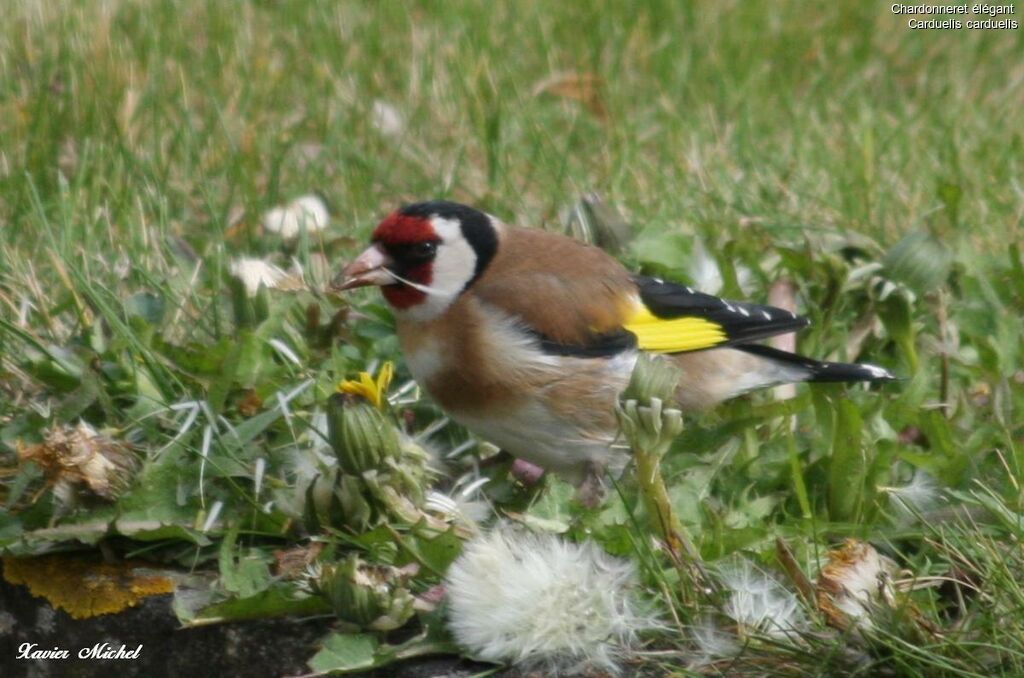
673, 335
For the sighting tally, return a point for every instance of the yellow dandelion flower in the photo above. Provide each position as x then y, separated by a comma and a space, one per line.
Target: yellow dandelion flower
365, 386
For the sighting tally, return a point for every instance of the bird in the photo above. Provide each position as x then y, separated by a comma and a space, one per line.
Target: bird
528, 337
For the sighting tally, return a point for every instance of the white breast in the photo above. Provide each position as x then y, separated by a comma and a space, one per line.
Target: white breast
426, 359
536, 428
534, 433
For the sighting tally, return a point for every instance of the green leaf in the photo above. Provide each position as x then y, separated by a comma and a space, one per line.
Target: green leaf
440, 551
79, 400
345, 653
145, 306
243, 366
249, 429
58, 367
896, 315
661, 250
950, 195
87, 528
277, 601
244, 572
919, 261
848, 465
154, 530
553, 509
149, 400
27, 474
944, 447
150, 509
10, 529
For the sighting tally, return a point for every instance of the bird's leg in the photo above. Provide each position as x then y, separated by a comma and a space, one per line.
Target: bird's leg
591, 492
502, 457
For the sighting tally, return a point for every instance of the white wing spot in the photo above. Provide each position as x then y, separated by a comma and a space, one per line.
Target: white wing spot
689, 290
767, 315
659, 281
876, 371
743, 312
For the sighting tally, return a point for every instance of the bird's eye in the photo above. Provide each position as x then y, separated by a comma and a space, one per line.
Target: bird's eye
424, 250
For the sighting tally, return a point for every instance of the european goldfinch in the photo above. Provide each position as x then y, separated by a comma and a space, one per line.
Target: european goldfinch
527, 338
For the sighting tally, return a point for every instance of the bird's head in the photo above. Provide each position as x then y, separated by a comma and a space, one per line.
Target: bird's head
424, 255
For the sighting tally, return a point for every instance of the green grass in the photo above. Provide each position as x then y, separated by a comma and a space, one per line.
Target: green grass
141, 143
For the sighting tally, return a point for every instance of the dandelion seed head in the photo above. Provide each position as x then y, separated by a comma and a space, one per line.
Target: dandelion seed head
256, 272
539, 601
386, 119
759, 603
306, 212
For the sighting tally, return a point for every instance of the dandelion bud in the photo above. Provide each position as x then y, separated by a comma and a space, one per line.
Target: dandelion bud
250, 280
337, 499
594, 221
394, 502
649, 428
646, 416
368, 596
359, 434
653, 377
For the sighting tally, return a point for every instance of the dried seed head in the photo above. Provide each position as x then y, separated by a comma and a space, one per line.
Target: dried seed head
79, 457
854, 584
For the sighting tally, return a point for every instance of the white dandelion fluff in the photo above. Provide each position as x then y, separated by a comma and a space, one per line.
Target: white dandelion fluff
536, 600
920, 495
308, 212
713, 643
386, 119
256, 272
759, 603
459, 506
704, 271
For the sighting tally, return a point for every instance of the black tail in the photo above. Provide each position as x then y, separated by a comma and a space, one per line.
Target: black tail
818, 370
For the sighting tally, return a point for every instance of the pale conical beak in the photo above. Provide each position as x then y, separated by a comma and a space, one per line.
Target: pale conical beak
369, 268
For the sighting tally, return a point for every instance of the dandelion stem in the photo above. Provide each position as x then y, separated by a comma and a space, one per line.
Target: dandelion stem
665, 522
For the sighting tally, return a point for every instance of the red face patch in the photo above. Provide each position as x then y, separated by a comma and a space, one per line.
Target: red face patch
400, 229
393, 234
402, 296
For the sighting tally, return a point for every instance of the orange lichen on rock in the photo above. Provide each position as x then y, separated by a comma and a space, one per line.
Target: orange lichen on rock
83, 586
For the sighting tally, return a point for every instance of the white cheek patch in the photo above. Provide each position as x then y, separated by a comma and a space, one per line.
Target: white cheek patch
453, 267
455, 262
